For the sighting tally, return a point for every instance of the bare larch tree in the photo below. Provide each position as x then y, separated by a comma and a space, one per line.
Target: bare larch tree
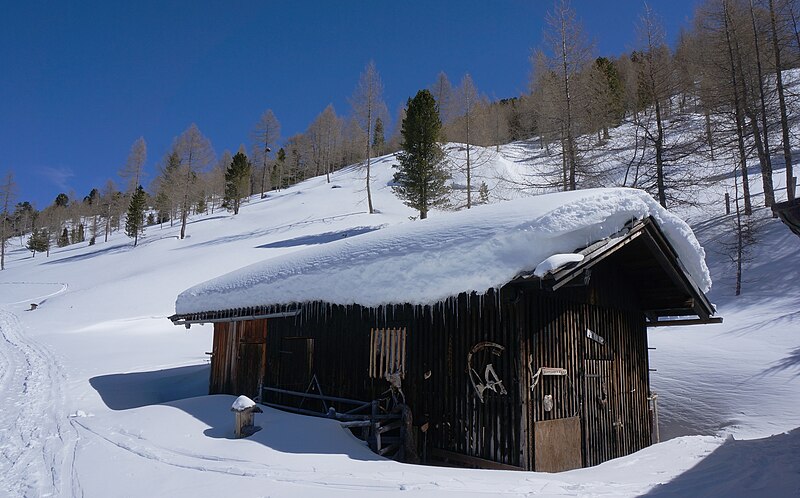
367, 103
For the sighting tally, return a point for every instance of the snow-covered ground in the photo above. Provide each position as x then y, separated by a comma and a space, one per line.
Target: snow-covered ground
103, 396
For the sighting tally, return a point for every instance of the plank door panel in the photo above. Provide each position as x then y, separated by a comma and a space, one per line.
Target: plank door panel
558, 444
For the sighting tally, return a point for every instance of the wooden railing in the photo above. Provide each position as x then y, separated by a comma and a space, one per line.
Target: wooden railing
383, 432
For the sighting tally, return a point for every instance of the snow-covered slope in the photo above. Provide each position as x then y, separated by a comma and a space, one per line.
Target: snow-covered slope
100, 390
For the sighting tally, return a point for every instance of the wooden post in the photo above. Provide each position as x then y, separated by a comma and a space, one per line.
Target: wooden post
376, 433
656, 433
243, 419
244, 408
727, 203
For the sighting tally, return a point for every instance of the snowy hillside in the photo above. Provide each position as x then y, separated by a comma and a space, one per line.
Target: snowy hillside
103, 396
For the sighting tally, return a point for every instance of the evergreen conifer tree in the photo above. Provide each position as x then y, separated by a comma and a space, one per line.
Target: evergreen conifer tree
483, 193
421, 177
379, 138
134, 224
39, 241
280, 162
63, 240
237, 178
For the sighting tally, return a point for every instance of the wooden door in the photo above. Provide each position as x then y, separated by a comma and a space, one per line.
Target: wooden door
252, 360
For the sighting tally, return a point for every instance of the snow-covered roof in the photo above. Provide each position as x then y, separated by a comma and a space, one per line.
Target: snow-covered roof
426, 261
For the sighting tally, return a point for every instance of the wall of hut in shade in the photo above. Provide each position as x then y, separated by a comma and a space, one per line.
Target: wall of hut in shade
517, 378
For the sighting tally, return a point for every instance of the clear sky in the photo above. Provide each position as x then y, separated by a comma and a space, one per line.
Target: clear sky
80, 81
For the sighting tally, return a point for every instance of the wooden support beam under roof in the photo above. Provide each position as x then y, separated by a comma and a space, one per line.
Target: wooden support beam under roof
684, 321
677, 294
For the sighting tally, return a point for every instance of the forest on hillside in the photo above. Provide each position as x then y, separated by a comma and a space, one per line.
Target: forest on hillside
720, 91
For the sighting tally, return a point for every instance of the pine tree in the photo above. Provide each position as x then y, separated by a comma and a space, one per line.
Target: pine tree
379, 138
237, 178
61, 200
39, 241
63, 240
483, 193
421, 177
134, 224
280, 163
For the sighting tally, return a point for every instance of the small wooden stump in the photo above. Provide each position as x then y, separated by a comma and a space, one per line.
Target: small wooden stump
245, 410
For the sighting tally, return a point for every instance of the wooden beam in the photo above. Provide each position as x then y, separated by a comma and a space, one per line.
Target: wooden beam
470, 461
685, 321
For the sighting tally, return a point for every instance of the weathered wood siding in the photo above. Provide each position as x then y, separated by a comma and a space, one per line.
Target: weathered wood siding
238, 358
469, 366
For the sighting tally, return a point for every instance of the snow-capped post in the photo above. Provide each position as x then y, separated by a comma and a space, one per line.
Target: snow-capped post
245, 408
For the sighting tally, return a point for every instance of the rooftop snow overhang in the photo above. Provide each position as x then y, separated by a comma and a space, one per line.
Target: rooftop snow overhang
669, 294
789, 213
414, 263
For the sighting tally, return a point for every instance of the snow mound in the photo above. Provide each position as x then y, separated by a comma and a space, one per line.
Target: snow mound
242, 403
555, 262
423, 262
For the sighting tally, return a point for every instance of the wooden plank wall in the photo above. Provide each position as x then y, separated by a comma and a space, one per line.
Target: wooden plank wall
607, 386
459, 421
611, 380
437, 383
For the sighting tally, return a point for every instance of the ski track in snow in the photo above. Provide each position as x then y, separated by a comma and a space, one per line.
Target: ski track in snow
37, 452
245, 468
38, 299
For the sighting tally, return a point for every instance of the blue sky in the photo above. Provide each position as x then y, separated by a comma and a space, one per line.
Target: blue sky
80, 81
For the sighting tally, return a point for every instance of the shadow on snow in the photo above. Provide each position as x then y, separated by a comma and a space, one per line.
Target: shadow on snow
756, 467
186, 388
320, 238
137, 389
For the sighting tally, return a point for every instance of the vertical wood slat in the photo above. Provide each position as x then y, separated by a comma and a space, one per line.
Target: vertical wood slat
372, 353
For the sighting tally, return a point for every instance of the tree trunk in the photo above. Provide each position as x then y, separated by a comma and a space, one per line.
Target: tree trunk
787, 149
739, 244
739, 116
659, 141
369, 153
763, 160
564, 165
764, 151
469, 180
570, 139
3, 245
108, 221
709, 135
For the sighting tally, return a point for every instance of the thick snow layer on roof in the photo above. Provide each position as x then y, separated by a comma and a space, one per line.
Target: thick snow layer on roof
426, 261
555, 262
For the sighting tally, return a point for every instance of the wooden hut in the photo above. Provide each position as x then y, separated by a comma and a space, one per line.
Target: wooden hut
547, 371
789, 213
